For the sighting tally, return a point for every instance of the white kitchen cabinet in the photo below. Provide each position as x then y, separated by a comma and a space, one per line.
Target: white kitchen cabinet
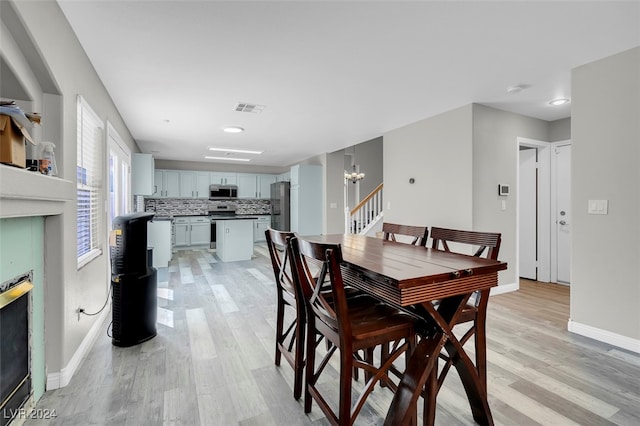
264, 185
262, 223
159, 238
224, 178
306, 199
142, 174
202, 182
158, 186
187, 184
182, 232
255, 185
192, 231
200, 230
234, 239
171, 183
284, 177
247, 185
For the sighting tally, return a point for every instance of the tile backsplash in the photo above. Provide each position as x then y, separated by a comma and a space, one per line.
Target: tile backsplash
194, 206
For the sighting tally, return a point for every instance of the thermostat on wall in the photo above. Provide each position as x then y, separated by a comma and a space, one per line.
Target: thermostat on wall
503, 189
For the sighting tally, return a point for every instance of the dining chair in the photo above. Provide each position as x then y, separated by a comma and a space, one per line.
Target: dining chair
347, 327
485, 244
419, 233
289, 341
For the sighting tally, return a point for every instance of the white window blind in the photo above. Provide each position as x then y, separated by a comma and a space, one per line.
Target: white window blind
89, 175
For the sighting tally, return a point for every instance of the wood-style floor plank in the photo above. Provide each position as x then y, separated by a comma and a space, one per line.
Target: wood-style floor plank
212, 362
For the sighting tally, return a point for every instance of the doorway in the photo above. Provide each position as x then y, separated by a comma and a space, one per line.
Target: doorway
119, 176
543, 244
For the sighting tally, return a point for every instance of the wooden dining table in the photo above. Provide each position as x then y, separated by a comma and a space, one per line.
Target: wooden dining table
413, 278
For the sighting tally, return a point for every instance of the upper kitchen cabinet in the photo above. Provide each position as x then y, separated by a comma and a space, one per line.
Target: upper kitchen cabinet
255, 186
142, 174
224, 178
167, 183
284, 177
202, 181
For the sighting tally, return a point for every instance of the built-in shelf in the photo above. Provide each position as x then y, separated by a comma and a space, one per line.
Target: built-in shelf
26, 193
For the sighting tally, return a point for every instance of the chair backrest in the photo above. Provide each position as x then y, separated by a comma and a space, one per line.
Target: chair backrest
277, 244
323, 292
489, 241
419, 233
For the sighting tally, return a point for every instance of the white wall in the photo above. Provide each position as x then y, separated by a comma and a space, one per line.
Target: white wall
437, 152
66, 286
605, 266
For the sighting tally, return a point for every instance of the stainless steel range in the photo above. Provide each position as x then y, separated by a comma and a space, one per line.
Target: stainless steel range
217, 212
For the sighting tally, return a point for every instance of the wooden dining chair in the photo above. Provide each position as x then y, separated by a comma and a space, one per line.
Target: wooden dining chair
289, 341
347, 327
481, 244
419, 233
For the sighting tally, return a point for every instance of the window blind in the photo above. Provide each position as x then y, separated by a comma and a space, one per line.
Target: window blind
89, 182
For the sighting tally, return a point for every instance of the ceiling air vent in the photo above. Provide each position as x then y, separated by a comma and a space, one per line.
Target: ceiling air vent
246, 107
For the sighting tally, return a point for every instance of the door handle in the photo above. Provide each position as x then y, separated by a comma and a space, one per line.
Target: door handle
563, 222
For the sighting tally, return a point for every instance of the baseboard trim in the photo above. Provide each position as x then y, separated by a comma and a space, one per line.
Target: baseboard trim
60, 379
505, 288
604, 336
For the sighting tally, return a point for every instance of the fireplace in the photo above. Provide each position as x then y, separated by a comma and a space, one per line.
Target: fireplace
15, 359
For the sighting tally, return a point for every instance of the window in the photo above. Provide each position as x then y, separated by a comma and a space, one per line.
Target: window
89, 175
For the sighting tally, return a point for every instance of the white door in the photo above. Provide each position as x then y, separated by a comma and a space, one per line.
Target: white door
119, 166
563, 212
527, 208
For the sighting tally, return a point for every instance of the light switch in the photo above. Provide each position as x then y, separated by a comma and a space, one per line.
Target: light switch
333, 205
598, 207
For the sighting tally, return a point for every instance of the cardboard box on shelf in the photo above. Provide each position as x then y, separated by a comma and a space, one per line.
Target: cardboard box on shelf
12, 142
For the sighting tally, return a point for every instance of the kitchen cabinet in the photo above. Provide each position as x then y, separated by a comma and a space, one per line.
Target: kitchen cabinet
202, 181
159, 239
167, 183
186, 180
255, 185
284, 177
224, 178
200, 230
306, 200
247, 185
192, 231
234, 239
262, 223
142, 174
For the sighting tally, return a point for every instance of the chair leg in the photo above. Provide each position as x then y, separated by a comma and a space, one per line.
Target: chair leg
346, 370
309, 368
299, 357
279, 327
480, 340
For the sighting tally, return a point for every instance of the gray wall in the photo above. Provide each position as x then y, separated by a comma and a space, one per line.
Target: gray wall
605, 128
437, 152
218, 167
495, 159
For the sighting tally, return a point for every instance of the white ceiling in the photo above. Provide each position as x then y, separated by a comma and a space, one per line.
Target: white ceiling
332, 74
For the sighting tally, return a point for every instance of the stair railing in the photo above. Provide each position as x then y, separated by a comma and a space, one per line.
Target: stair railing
366, 212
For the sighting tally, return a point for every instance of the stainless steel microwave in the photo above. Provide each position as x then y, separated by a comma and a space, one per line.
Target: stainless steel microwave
223, 192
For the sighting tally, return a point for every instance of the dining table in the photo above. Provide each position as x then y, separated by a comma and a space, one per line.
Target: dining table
432, 285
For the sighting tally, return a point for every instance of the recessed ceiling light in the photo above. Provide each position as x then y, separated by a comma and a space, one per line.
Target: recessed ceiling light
560, 101
239, 151
227, 158
233, 129
517, 88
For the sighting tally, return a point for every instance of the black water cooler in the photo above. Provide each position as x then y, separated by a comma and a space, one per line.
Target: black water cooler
134, 281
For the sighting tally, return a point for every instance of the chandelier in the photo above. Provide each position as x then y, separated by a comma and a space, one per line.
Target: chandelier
353, 176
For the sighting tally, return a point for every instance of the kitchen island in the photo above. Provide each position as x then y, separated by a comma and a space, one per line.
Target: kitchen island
234, 238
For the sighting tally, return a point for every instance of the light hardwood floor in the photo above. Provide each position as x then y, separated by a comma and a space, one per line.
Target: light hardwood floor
212, 362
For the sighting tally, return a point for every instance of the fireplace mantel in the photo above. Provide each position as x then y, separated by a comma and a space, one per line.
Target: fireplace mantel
24, 193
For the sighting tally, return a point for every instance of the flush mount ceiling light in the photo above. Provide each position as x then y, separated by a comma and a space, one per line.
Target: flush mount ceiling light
517, 88
227, 158
233, 129
559, 101
239, 151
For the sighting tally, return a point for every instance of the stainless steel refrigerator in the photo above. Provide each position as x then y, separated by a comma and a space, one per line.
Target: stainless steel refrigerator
280, 206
